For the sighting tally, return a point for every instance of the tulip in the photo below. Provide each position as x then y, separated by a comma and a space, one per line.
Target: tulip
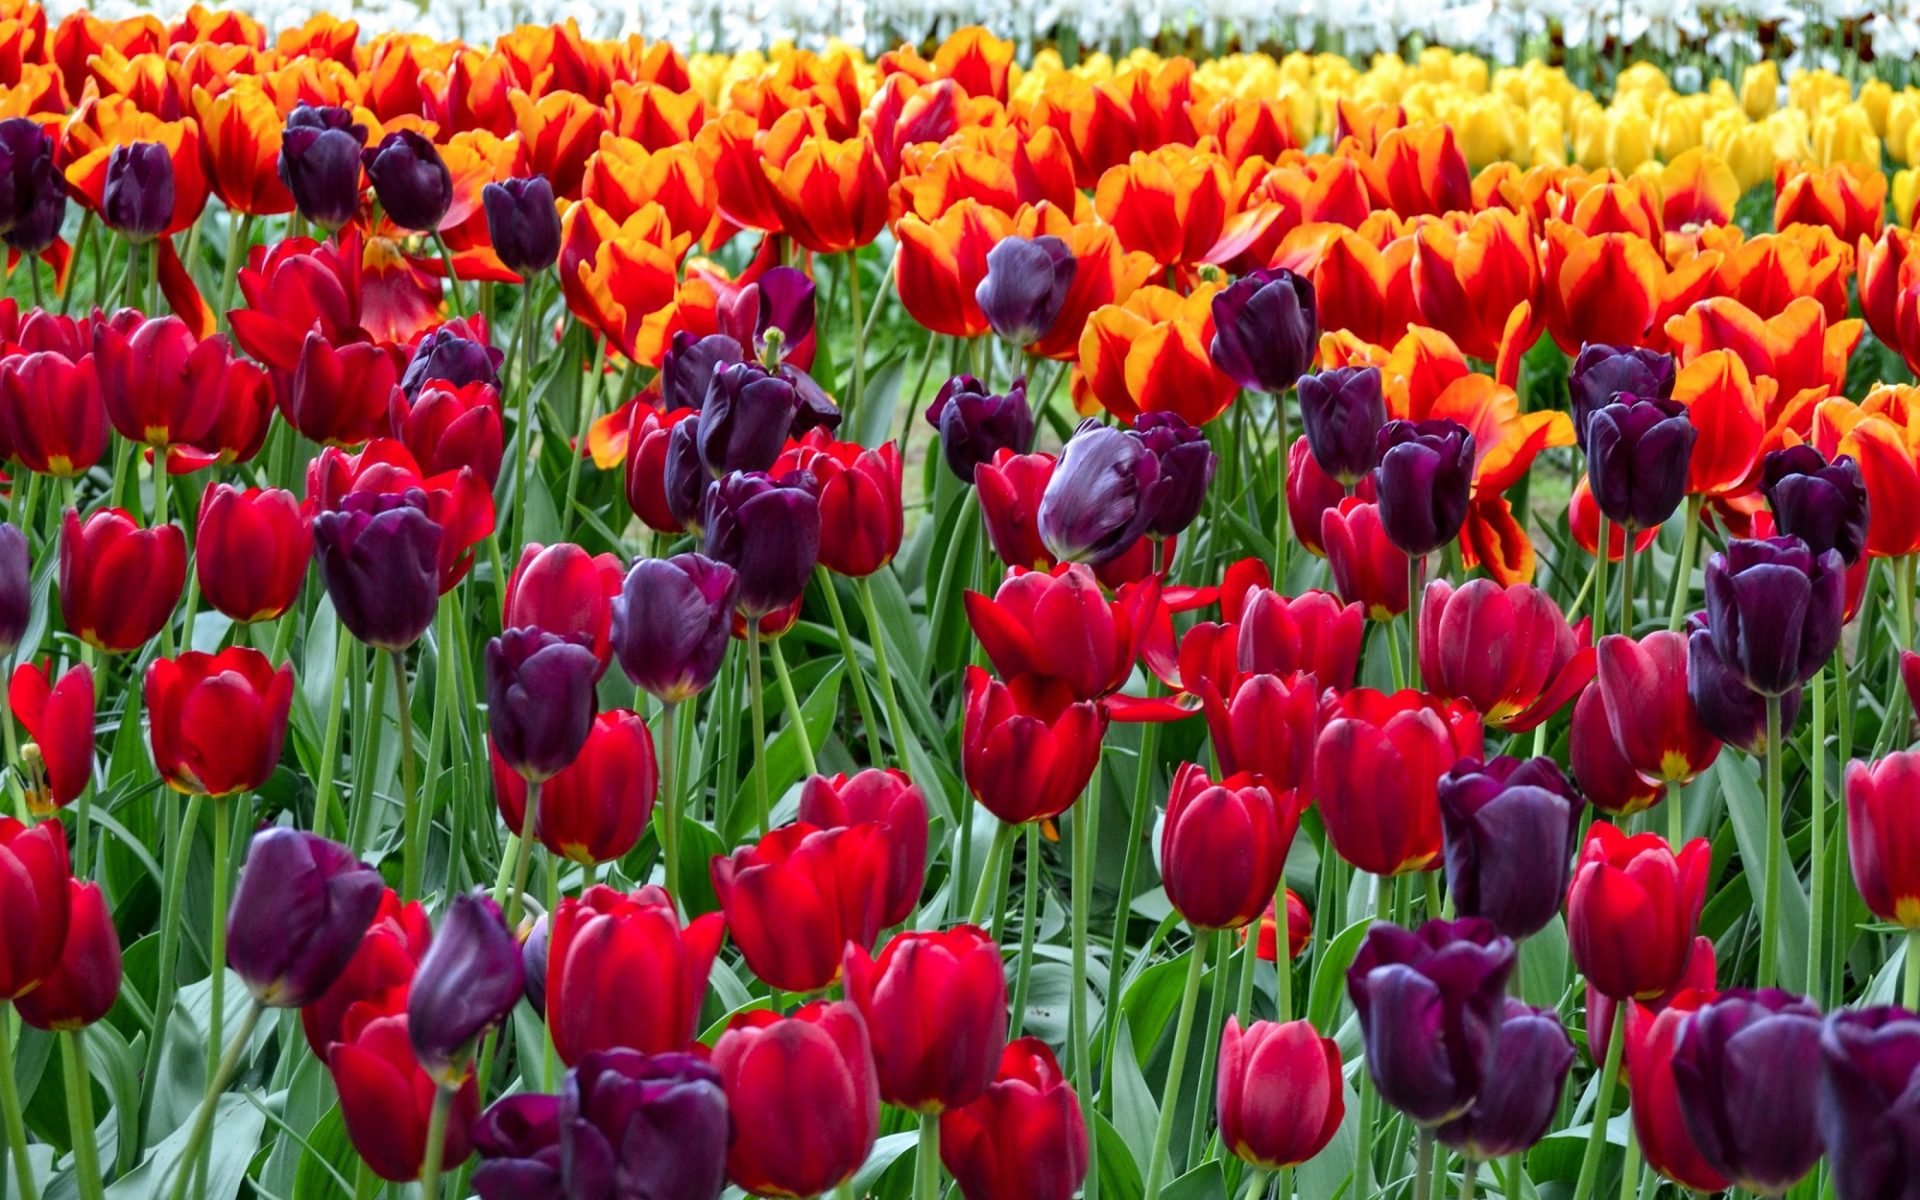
378, 975
1025, 287
52, 418
1638, 449
1343, 410
1105, 490
410, 179
1266, 724
540, 703
38, 901
1651, 1040
339, 395
804, 1100
1606, 778
1729, 709
1266, 946
1281, 1096
523, 224
1823, 504
161, 385
1010, 488
320, 163
1060, 626
1185, 463
935, 1004
1883, 819
744, 419
1656, 728
118, 582
1025, 1136
33, 196
1507, 651
298, 915
861, 518
251, 549
1741, 1072
631, 1125
1869, 1109
455, 353
597, 807
646, 466
1376, 763
1312, 632
566, 591
386, 1098
975, 425
780, 298
623, 971
447, 428
16, 588
798, 896
891, 800
1531, 1057
467, 982
217, 721
1430, 1004
58, 717
1632, 910
1027, 747
1368, 569
1424, 477
518, 1142
291, 287
1702, 976
683, 477
380, 560
669, 624
1265, 330
768, 531
1601, 372
138, 200
1774, 610
1489, 810
85, 981
1223, 846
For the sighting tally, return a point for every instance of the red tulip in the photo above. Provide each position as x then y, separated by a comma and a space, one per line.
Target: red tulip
1027, 748
647, 440
378, 975
51, 415
1266, 724
59, 718
596, 809
1883, 835
861, 520
1702, 975
1299, 930
340, 395
1652, 1038
1508, 651
293, 287
1367, 568
1633, 909
85, 981
797, 897
805, 1104
34, 874
1024, 1137
1009, 489
217, 720
458, 501
564, 590
1375, 769
1281, 1095
1060, 626
243, 412
448, 427
1207, 654
1312, 493
1223, 846
623, 971
1606, 778
1654, 724
889, 799
162, 386
251, 550
386, 1097
936, 1010
1313, 631
118, 582
1583, 521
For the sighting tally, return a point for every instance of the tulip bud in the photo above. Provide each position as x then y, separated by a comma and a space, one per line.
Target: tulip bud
1010, 488
33, 192
59, 719
1869, 1100
456, 354
1375, 769
623, 971
780, 298
745, 418
378, 975
534, 953
85, 981
1652, 1036
688, 365
386, 1098
798, 896
1632, 910
1025, 287
522, 223
1775, 610
137, 202
518, 1142
1606, 778
646, 467
1223, 846
16, 588
1883, 812
1531, 1057
1638, 450
540, 702
410, 179
1312, 632
633, 1125
890, 800
1489, 812
379, 558
1266, 946
320, 163
1027, 748
935, 1004
118, 582
1025, 1136
1729, 709
1425, 480
768, 531
683, 477
975, 425
1656, 728
1281, 1095
802, 1093
1742, 1071
1343, 410
1105, 490
1367, 568
1602, 372
564, 590
597, 807
1265, 329
861, 518
217, 721
447, 428
467, 982
1823, 504
1062, 626
1186, 464
669, 625
1266, 724
298, 915
1507, 651
52, 418
339, 395
251, 550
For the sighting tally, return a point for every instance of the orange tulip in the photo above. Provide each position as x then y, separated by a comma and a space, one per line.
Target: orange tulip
322, 36
1797, 348
81, 35
1418, 170
1360, 285
242, 128
1105, 123
623, 176
655, 115
1699, 189
1104, 274
1849, 198
474, 92
1366, 123
1769, 271
92, 134
1605, 201
828, 195
1150, 354
550, 59
1614, 287
1170, 203
557, 133
1250, 127
217, 27
620, 278
36, 94
395, 73
976, 60
1728, 406
904, 114
998, 166
1468, 275
941, 262
1275, 201
1882, 433
827, 86
1884, 279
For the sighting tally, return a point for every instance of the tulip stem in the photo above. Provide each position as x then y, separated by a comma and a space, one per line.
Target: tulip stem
1216, 1021
1281, 543
1626, 584
436, 1142
522, 430
412, 857
1413, 620
1602, 1111
1470, 1179
795, 717
239, 235
756, 693
1392, 635
1085, 823
589, 400
883, 673
454, 299
1689, 550
80, 1118
990, 874
1676, 816
187, 1166
1029, 918
1177, 1064
1630, 1170
1770, 893
670, 798
926, 1160
1910, 982
217, 938
1130, 859
1817, 882
859, 332
523, 856
1423, 1165
861, 699
181, 829
1602, 551
16, 1121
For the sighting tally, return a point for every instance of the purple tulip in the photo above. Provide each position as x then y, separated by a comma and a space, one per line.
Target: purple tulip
768, 531
1343, 411
1424, 479
1870, 1102
1531, 1057
975, 425
467, 982
1601, 372
671, 622
1105, 490
298, 915
745, 419
320, 163
1774, 609
1026, 286
643, 1127
518, 1141
138, 200
31, 187
449, 355
1822, 503
1430, 1004
379, 557
781, 298
1743, 1072
1638, 451
533, 963
1265, 329
1186, 461
523, 223
16, 588
1728, 708
411, 180
540, 703
684, 477
689, 365
1510, 830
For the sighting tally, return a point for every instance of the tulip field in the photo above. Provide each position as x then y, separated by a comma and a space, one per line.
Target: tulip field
1201, 618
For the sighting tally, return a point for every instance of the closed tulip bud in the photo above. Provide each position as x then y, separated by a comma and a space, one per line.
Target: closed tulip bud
467, 982
380, 560
386, 1098
890, 800
1883, 835
1224, 845
1343, 410
540, 702
1266, 946
1775, 610
299, 913
1265, 724
975, 425
1025, 287
217, 721
688, 365
118, 582
1061, 626
1312, 632
935, 1004
534, 949
1702, 976
455, 353
410, 179
623, 971
1606, 778
768, 531
138, 201
162, 386
1375, 771
1281, 1095
1027, 747
1010, 488
1368, 569
1531, 1057
523, 223
1507, 651
638, 1126
1741, 1072
1602, 372
1638, 450
646, 467
518, 1142
340, 395
1311, 493
1025, 1136
33, 193
861, 517
377, 976
1186, 463
1489, 811
796, 898
669, 625
1265, 328
564, 590
804, 1100
16, 588
1430, 1005
1656, 728
52, 418
320, 163
58, 717
745, 418
597, 807
1869, 1101
1822, 503
1424, 478
85, 981
1105, 491
447, 428
1632, 910
251, 550
34, 878
1652, 1037
1729, 709
683, 477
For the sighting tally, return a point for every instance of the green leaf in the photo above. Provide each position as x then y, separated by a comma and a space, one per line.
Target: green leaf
885, 1153
1543, 965
698, 846
1326, 1173
237, 1126
781, 762
1747, 805
1204, 1182
1152, 1001
1119, 1176
327, 1145
1136, 1114
1330, 974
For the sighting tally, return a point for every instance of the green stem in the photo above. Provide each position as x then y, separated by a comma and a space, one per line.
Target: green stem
454, 298
1470, 1179
877, 641
926, 1160
15, 1118
1817, 883
1689, 550
217, 954
1423, 1165
1177, 1065
1130, 859
164, 989
1630, 1170
1602, 1112
1085, 825
756, 691
1029, 919
1282, 535
216, 1083
859, 331
670, 797
522, 857
861, 699
1383, 898
1216, 1021
412, 856
1910, 984
1676, 817
1413, 620
1776, 844
990, 874
522, 431
1626, 584
1600, 581
436, 1141
367, 756
589, 401
80, 1118
1392, 635
795, 717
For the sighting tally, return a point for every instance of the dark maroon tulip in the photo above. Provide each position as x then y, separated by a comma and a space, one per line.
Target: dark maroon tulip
1744, 1070
454, 356
781, 298
643, 1127
1638, 451
411, 180
689, 365
380, 560
1822, 503
1727, 707
1105, 490
768, 531
1870, 1102
1430, 1004
671, 622
1424, 478
31, 186
138, 201
301, 909
523, 223
1187, 462
38, 226
1510, 828
745, 419
1531, 1057
320, 163
540, 703
1265, 328
466, 984
1343, 411
1601, 372
1775, 610
16, 588
683, 477
975, 425
1026, 286
518, 1141
533, 962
